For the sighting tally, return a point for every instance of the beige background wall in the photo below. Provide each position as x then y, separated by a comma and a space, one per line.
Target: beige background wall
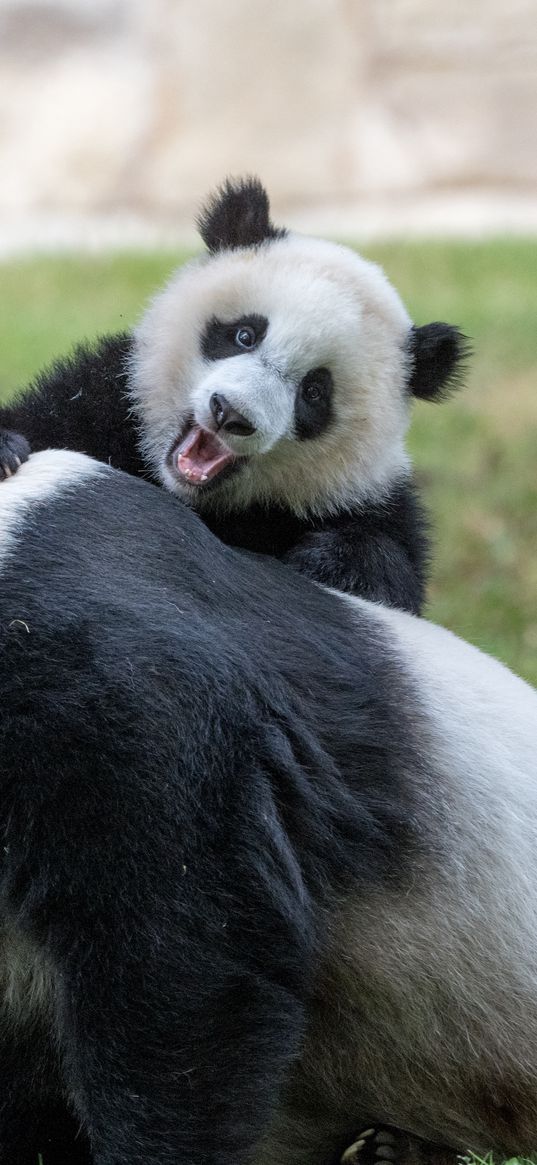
116, 116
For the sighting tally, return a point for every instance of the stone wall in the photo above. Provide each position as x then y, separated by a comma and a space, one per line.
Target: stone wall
132, 109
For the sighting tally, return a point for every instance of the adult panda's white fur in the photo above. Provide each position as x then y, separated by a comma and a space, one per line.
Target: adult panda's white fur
423, 1013
55, 471
428, 999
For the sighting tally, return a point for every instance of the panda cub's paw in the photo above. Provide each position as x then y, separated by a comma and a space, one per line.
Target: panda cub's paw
318, 555
372, 1147
14, 449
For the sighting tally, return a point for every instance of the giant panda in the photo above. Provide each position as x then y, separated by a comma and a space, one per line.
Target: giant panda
269, 386
267, 852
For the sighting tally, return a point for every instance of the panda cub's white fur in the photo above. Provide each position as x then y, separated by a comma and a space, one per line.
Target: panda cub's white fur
327, 306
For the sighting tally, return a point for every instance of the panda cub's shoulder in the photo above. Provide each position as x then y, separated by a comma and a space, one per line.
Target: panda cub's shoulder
273, 379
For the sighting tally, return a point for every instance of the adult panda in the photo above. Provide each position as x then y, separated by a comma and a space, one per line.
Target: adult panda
267, 853
269, 386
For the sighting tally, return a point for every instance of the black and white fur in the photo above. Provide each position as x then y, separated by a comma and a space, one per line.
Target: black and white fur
267, 853
296, 361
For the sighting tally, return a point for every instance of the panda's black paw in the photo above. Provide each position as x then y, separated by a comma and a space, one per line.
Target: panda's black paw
373, 1146
318, 556
14, 449
381, 1145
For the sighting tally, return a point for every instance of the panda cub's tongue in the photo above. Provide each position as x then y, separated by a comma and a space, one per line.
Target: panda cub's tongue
202, 455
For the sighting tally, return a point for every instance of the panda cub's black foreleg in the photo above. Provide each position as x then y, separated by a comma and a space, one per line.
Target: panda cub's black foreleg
378, 553
78, 403
373, 567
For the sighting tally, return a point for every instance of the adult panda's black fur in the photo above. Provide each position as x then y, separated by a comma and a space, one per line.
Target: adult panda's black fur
170, 811
267, 854
297, 352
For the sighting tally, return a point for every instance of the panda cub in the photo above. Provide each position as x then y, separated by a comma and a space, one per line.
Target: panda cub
269, 387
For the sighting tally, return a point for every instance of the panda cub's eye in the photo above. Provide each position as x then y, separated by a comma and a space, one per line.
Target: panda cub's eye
316, 385
312, 391
313, 405
245, 337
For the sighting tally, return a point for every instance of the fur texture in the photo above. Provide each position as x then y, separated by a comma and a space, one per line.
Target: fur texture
238, 215
267, 853
430, 988
81, 404
315, 360
438, 356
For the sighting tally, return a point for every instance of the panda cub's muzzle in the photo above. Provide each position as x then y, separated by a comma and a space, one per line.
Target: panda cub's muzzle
201, 456
234, 418
229, 419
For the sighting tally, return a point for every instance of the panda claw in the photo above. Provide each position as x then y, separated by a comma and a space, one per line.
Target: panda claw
14, 449
382, 1146
352, 1152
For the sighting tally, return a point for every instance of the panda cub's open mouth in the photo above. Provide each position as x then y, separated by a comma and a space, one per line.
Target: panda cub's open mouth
199, 458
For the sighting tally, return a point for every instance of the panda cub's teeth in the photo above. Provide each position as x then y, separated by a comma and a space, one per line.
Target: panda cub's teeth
381, 1143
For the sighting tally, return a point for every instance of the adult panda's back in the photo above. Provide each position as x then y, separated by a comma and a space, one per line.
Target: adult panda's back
119, 607
78, 538
134, 585
394, 766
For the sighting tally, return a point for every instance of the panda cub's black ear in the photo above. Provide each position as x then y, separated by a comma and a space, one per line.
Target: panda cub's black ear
438, 353
237, 215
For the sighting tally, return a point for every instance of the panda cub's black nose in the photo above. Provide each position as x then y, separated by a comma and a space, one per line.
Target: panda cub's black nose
228, 418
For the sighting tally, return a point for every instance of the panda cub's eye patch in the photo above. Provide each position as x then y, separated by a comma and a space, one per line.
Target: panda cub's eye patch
313, 403
222, 338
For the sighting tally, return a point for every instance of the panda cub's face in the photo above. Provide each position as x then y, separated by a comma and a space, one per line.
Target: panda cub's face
274, 369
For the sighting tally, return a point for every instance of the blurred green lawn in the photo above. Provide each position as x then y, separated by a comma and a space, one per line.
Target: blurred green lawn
476, 455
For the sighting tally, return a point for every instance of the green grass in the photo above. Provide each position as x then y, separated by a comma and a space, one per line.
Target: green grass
49, 303
476, 455
489, 1160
